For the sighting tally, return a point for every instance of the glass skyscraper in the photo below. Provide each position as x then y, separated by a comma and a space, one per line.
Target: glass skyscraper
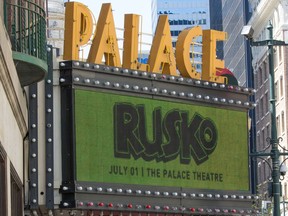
185, 14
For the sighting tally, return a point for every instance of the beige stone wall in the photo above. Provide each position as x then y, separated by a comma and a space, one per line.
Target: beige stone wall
13, 106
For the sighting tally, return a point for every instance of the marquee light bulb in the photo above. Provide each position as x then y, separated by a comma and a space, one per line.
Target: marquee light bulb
192, 209
129, 205
96, 66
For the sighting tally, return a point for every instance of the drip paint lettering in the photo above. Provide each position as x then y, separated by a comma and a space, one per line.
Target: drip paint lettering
173, 135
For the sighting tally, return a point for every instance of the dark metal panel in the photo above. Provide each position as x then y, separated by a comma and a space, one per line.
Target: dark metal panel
49, 141
33, 146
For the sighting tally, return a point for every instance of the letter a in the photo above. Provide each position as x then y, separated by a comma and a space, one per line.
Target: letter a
105, 41
161, 53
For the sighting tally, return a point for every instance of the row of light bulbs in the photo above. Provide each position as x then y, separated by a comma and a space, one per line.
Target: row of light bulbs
148, 207
162, 91
158, 193
160, 76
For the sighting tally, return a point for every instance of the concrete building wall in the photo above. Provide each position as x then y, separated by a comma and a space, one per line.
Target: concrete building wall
13, 115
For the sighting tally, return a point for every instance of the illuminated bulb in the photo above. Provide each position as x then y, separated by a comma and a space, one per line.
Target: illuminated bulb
62, 80
97, 82
222, 86
110, 205
248, 197
145, 88
49, 185
101, 204
96, 66
225, 196
34, 185
225, 210
182, 208
254, 104
49, 140
135, 72
172, 78
173, 92
148, 206
201, 195
65, 188
48, 81
138, 191
157, 207
190, 95
233, 211
200, 209
90, 204
181, 94
116, 85
214, 84
138, 206
107, 83
129, 191
241, 197
246, 90
33, 170
33, 95
144, 74
126, 86
206, 83
157, 193
154, 90
49, 169
33, 140
153, 75
192, 195
89, 188
197, 82
175, 194
217, 195
223, 100
76, 63
65, 204
180, 79
192, 209
62, 64
49, 110
215, 99
183, 194
130, 206
163, 76
164, 91
246, 103
199, 96
116, 69
80, 204
165, 193
86, 65
76, 79
49, 95
230, 87
254, 91
34, 201
206, 97
34, 155
166, 207
174, 208
231, 101
136, 87
125, 71
109, 190
256, 197
209, 195
238, 102
119, 190
148, 192
119, 205
217, 210
99, 189
233, 196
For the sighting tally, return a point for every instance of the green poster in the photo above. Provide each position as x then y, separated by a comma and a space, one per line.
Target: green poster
144, 141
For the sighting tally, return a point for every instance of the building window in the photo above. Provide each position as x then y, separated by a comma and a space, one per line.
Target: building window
281, 86
276, 91
3, 185
278, 124
282, 122
16, 193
